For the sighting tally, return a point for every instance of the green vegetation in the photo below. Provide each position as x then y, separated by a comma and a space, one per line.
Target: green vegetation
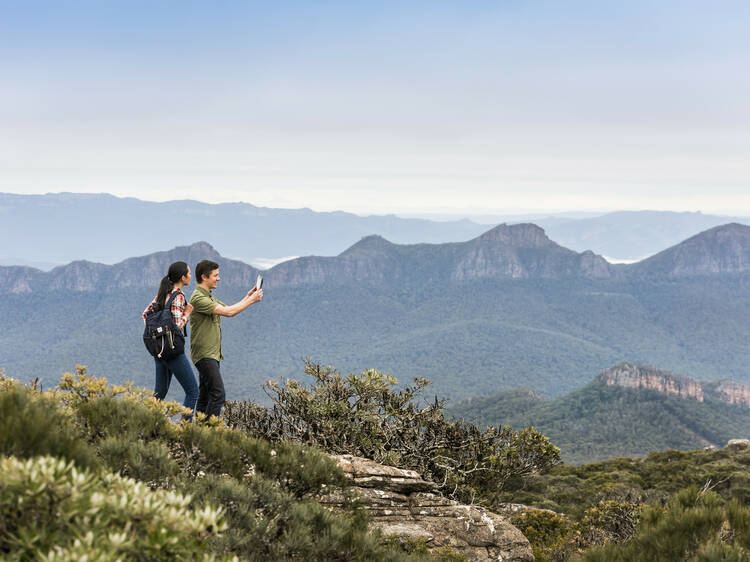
106, 473
364, 415
50, 510
123, 481
672, 505
599, 422
695, 526
470, 339
571, 489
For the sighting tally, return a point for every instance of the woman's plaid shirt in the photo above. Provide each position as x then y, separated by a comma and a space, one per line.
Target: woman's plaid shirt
178, 309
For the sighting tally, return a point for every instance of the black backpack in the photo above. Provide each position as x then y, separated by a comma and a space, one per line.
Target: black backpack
162, 337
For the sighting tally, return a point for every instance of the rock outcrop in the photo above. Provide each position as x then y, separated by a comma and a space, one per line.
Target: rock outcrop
730, 392
402, 504
629, 375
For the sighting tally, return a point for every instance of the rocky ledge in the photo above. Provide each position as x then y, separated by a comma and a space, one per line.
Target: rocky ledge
402, 504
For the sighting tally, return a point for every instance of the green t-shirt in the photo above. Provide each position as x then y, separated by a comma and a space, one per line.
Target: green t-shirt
205, 326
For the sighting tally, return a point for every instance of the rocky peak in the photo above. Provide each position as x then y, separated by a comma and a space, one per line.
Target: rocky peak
628, 375
368, 244
525, 235
722, 249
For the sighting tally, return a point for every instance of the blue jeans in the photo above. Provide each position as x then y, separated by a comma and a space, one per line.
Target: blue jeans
183, 372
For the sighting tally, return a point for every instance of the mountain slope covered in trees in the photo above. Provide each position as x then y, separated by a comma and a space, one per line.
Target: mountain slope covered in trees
510, 307
601, 421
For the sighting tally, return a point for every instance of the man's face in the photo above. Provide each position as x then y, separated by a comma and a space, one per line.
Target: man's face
213, 279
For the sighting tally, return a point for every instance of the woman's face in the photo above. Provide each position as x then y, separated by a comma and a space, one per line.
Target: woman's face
186, 278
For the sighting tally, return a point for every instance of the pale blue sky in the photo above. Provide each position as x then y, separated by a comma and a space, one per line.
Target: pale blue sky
410, 107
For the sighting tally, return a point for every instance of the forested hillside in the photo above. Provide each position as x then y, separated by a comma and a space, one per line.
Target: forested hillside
470, 336
600, 421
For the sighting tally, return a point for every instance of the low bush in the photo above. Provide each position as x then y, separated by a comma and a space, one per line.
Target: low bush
51, 510
694, 526
266, 491
31, 425
364, 415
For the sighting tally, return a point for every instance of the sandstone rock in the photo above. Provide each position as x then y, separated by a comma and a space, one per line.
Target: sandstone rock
738, 443
628, 375
732, 392
403, 504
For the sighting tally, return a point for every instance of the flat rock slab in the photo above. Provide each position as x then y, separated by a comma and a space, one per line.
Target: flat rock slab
402, 504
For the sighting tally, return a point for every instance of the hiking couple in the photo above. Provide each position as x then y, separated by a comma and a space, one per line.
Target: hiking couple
204, 312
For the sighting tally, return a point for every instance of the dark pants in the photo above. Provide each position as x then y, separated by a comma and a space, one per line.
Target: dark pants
183, 372
211, 394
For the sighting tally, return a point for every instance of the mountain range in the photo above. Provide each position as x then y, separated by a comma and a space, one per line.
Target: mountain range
509, 305
628, 410
53, 229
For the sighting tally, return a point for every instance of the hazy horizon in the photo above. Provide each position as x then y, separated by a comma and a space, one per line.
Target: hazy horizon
452, 215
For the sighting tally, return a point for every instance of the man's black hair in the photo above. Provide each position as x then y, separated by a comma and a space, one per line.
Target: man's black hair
205, 267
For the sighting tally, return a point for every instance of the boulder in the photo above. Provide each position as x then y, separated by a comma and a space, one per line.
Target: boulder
402, 504
738, 443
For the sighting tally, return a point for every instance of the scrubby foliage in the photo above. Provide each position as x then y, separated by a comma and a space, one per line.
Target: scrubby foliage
623, 509
88, 430
555, 537
695, 526
51, 510
364, 415
572, 489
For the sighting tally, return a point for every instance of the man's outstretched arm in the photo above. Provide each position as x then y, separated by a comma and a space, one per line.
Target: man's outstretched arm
253, 295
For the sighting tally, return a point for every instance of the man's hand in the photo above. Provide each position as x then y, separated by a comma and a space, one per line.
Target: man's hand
188, 309
255, 295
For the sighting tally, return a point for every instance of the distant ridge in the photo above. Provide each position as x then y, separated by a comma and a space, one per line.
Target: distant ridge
520, 251
143, 271
58, 228
719, 250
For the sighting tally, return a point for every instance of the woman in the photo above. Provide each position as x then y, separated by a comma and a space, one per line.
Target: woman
177, 277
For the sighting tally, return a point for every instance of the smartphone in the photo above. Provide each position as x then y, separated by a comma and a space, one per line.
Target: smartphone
259, 282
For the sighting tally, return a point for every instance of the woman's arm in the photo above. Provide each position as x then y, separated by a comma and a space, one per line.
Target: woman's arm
181, 311
149, 308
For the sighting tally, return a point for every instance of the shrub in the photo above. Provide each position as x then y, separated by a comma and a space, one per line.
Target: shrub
609, 522
31, 425
301, 470
53, 511
267, 523
547, 532
689, 525
364, 416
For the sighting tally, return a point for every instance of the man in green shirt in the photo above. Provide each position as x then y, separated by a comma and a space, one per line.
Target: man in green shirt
205, 335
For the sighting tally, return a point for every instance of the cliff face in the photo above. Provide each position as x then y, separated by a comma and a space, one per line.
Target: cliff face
730, 392
628, 375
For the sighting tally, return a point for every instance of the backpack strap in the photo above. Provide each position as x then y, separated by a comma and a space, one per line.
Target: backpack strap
172, 297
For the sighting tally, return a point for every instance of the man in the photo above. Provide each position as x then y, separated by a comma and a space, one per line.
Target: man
205, 337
